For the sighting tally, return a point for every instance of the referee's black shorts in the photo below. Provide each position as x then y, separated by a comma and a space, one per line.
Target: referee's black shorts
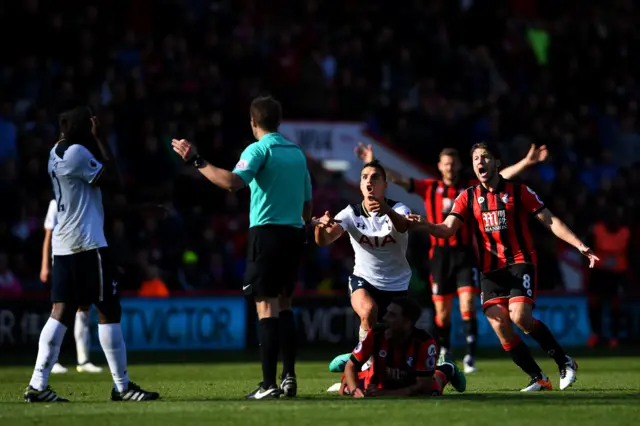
274, 253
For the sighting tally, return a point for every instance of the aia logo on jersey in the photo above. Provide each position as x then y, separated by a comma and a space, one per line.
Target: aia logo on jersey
376, 242
495, 220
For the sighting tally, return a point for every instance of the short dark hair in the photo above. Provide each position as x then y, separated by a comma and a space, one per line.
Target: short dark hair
76, 122
493, 150
266, 113
410, 308
376, 165
450, 152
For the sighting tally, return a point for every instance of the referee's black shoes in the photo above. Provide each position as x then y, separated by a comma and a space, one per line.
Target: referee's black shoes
289, 386
273, 392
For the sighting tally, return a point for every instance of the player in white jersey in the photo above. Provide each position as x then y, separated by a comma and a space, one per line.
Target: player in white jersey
82, 272
377, 229
81, 329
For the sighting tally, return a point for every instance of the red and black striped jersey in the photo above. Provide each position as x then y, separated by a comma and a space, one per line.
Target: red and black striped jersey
438, 202
501, 222
396, 366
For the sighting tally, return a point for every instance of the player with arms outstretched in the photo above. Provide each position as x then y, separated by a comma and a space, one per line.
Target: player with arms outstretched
404, 359
452, 263
377, 229
83, 272
81, 329
498, 211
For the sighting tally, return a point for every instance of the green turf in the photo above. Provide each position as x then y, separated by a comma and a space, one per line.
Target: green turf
607, 392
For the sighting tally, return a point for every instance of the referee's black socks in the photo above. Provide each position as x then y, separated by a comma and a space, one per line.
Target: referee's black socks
269, 348
288, 342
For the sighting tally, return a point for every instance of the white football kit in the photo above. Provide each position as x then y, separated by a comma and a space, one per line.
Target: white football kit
380, 250
79, 216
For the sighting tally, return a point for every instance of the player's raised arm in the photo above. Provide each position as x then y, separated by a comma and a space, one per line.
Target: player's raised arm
365, 153
242, 175
532, 204
534, 156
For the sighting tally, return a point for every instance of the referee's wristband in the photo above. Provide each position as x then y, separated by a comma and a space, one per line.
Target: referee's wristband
197, 161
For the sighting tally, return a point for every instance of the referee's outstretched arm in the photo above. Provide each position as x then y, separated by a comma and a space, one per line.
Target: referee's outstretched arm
219, 177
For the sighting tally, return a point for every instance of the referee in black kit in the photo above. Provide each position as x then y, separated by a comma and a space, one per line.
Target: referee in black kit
275, 170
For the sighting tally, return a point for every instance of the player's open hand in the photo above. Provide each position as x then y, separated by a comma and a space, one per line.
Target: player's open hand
537, 155
586, 251
415, 219
358, 393
364, 152
184, 149
326, 221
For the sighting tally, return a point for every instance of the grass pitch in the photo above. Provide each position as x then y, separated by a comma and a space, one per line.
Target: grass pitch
607, 392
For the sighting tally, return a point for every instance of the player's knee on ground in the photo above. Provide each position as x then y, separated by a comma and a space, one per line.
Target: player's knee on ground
109, 312
498, 317
520, 315
64, 313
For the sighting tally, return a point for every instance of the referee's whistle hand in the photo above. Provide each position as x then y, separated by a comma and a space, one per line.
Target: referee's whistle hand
183, 148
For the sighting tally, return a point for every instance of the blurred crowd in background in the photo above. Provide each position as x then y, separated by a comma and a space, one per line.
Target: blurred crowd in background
424, 76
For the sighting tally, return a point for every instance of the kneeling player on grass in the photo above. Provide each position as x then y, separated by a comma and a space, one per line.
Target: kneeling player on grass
499, 211
377, 228
404, 359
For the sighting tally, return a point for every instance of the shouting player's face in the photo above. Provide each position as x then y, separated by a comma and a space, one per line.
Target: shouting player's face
372, 183
484, 165
449, 166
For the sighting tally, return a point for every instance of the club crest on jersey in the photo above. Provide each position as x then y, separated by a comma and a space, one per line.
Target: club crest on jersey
495, 220
376, 242
505, 198
410, 361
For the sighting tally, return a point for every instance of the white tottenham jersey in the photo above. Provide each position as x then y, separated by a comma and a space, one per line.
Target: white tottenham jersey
379, 249
79, 221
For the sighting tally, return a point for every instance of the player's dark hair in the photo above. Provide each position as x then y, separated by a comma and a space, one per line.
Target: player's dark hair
266, 113
410, 308
75, 124
494, 151
376, 165
449, 152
